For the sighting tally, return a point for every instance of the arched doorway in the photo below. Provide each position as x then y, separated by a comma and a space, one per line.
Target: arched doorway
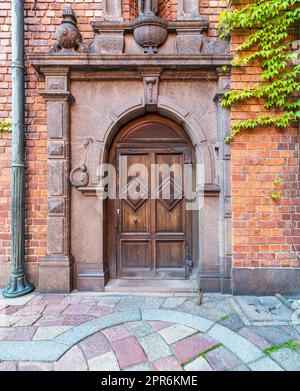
149, 229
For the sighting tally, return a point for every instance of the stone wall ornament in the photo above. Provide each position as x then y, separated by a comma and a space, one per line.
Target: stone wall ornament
79, 176
69, 39
151, 87
149, 31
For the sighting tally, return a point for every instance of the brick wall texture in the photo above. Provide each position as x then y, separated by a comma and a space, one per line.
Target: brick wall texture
266, 233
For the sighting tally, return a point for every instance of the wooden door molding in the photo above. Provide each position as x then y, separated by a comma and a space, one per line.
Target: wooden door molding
149, 238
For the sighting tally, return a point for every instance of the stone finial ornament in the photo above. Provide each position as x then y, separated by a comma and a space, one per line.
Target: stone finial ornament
67, 34
149, 30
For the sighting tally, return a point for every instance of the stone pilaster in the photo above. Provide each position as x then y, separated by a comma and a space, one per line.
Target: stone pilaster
56, 269
224, 178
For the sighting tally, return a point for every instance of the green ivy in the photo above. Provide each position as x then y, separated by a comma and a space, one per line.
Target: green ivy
5, 127
270, 25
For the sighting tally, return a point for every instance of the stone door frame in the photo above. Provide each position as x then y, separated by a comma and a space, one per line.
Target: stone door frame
56, 270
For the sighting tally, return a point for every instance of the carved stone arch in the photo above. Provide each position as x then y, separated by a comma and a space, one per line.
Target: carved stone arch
168, 108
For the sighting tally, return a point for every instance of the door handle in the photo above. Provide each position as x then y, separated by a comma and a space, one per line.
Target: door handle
135, 219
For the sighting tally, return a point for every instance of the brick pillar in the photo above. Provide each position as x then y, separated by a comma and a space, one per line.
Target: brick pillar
224, 178
56, 269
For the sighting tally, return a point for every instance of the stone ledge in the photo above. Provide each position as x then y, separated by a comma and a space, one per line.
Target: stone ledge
45, 63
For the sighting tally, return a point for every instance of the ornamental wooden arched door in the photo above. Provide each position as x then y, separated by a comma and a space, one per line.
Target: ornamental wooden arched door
148, 225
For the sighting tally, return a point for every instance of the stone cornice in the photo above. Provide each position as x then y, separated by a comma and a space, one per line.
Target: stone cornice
78, 61
173, 27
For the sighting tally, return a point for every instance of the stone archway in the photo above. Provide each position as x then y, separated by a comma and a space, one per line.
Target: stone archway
204, 160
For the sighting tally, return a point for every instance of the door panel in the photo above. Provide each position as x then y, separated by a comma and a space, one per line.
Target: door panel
151, 233
135, 221
134, 255
169, 221
170, 254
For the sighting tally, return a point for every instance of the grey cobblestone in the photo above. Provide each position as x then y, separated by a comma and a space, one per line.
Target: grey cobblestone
287, 358
188, 320
245, 350
265, 364
155, 347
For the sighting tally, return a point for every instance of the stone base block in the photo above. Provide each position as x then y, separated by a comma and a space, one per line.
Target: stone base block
210, 284
90, 281
189, 43
111, 43
266, 281
56, 274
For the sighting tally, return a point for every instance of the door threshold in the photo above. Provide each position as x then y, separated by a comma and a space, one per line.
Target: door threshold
157, 286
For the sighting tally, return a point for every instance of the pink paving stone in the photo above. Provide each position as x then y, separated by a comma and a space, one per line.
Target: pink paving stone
128, 352
35, 366
8, 366
31, 310
191, 347
72, 300
50, 320
95, 345
167, 364
55, 309
75, 320
73, 360
100, 310
53, 299
36, 300
255, 339
20, 334
160, 325
77, 309
90, 300
116, 332
11, 310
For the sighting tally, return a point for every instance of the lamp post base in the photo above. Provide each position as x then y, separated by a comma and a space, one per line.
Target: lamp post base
17, 286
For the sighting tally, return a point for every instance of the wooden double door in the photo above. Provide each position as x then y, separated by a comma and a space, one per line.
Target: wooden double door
149, 227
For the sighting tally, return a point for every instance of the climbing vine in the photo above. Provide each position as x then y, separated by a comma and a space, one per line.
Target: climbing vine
271, 40
5, 127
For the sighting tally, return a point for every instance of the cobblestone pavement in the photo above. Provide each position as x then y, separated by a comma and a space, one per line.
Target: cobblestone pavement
81, 332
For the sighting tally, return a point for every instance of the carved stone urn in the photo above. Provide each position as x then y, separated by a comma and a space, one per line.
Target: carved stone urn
67, 33
150, 33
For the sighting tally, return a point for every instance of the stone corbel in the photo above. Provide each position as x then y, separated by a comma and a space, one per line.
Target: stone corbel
223, 74
151, 87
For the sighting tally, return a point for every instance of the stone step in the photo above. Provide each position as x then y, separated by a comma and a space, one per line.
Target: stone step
161, 286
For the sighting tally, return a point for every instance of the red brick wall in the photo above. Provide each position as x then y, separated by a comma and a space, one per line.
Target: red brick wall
129, 8
266, 232
262, 228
